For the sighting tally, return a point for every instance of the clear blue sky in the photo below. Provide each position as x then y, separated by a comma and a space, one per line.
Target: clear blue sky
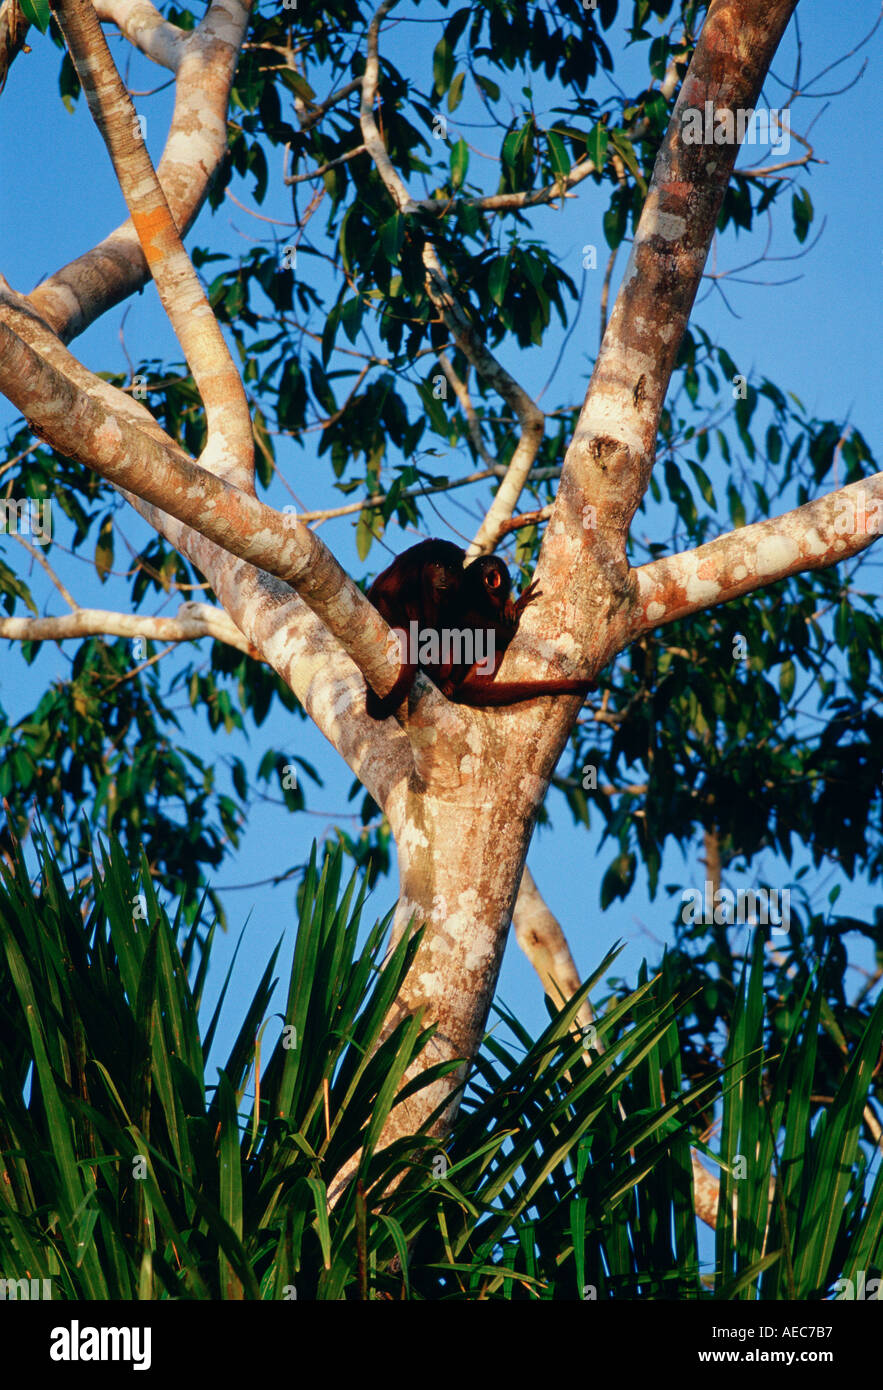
818, 335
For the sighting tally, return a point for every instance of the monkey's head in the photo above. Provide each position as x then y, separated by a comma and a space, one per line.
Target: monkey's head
489, 582
441, 578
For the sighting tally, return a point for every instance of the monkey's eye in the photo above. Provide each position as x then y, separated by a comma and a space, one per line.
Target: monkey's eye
492, 579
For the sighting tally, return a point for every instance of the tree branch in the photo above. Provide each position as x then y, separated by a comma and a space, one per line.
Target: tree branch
608, 464
820, 533
44, 563
323, 168
229, 450
143, 25
13, 32
189, 626
75, 296
541, 938
139, 463
515, 202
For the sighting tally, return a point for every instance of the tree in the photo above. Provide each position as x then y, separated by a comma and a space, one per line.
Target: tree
426, 273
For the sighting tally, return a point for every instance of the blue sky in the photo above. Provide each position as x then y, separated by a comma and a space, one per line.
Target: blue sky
818, 336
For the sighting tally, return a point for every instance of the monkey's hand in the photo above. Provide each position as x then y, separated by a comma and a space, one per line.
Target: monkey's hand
518, 607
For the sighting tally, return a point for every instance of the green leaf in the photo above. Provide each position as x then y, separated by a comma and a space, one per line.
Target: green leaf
364, 534
68, 82
351, 318
510, 149
230, 1181
459, 163
596, 145
300, 85
618, 879
498, 278
843, 625
37, 12
488, 86
11, 586
615, 222
629, 158
704, 483
392, 237
329, 333
456, 24
558, 155
455, 95
736, 507
104, 549
442, 66
787, 679
658, 59
802, 213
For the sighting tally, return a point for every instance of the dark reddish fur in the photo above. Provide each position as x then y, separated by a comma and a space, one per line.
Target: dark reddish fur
430, 585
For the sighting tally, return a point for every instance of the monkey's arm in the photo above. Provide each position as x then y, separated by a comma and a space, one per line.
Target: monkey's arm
481, 692
498, 614
388, 594
384, 706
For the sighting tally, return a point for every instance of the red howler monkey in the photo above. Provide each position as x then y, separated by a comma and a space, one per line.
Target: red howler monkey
429, 585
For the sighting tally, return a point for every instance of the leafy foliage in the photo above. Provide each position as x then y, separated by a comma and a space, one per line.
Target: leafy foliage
126, 1173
